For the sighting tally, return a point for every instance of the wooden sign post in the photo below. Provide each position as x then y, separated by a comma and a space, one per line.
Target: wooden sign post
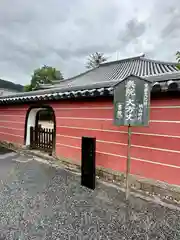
131, 108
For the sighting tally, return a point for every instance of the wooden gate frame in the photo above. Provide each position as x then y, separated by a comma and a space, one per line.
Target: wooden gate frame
32, 106
41, 139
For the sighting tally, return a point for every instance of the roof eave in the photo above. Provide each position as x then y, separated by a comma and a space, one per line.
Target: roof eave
86, 93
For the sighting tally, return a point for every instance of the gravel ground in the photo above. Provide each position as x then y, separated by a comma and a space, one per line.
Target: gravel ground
38, 201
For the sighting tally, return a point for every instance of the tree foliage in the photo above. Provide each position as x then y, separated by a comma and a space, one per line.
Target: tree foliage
27, 88
95, 59
178, 59
45, 74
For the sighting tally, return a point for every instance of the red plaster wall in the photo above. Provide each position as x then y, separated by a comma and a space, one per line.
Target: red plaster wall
155, 149
12, 123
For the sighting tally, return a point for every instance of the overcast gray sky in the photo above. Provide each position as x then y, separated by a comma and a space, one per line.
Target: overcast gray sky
62, 33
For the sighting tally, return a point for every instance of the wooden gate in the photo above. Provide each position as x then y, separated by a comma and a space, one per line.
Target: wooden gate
42, 139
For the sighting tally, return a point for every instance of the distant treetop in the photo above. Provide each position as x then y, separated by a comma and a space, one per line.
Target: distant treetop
95, 59
178, 59
45, 74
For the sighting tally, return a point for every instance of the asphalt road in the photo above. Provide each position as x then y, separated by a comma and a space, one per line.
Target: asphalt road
38, 201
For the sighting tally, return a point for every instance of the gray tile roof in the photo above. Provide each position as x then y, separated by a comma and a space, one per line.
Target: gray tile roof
100, 81
139, 66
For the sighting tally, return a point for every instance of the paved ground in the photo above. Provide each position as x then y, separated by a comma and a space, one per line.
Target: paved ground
41, 202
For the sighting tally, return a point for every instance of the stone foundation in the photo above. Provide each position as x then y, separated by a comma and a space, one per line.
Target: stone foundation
146, 187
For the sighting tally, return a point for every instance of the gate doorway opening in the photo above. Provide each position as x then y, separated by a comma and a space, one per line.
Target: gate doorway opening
41, 129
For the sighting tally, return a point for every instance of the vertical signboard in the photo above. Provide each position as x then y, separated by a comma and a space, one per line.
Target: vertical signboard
131, 108
131, 102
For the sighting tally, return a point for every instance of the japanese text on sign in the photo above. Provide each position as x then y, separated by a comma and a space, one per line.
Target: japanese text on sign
140, 112
119, 111
130, 103
145, 100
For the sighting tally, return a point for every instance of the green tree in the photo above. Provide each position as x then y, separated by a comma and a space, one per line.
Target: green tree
95, 59
178, 59
27, 88
45, 74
